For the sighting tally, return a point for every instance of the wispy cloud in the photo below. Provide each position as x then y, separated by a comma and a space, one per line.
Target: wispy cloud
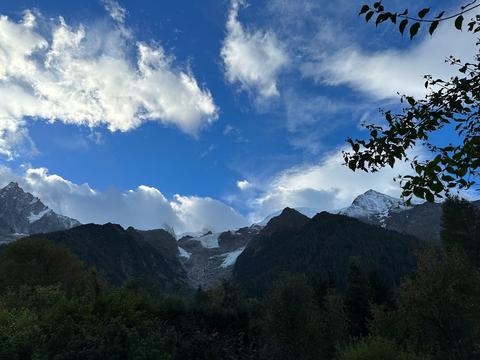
385, 73
252, 59
116, 12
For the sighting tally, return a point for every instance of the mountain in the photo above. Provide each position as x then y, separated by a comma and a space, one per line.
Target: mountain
209, 258
322, 247
309, 212
420, 220
373, 207
120, 254
21, 214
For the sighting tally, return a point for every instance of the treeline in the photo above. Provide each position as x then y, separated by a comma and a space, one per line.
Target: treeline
52, 307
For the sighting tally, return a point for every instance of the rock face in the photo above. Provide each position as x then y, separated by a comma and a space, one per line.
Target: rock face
120, 255
209, 258
323, 248
21, 214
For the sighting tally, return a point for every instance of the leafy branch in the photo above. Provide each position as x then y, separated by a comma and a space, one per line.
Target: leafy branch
452, 103
414, 23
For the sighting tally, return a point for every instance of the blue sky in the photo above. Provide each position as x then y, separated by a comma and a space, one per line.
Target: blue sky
225, 110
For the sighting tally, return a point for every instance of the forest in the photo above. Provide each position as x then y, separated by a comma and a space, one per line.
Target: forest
53, 307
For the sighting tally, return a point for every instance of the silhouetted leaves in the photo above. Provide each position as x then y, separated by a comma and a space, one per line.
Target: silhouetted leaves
422, 13
403, 25
454, 102
433, 27
383, 15
459, 22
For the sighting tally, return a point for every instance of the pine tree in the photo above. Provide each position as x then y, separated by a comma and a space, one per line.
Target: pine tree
461, 228
357, 301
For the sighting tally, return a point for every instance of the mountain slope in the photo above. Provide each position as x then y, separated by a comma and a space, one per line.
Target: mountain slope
21, 214
421, 220
120, 254
309, 212
323, 248
209, 258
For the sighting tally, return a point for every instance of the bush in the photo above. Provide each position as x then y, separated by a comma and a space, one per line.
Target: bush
377, 348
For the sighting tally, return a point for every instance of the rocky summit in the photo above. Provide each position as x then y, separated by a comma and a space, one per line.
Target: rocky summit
23, 214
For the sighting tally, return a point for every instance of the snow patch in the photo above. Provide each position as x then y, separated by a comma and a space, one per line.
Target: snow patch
184, 253
373, 205
208, 240
35, 217
231, 257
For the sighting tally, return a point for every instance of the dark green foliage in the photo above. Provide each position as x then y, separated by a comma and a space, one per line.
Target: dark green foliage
117, 326
40, 263
322, 249
461, 227
357, 301
438, 309
377, 348
334, 326
292, 320
52, 307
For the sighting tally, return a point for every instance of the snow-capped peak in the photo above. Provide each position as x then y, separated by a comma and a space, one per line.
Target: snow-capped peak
23, 213
372, 206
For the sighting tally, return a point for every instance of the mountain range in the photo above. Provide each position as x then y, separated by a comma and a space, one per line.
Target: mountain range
323, 247
376, 230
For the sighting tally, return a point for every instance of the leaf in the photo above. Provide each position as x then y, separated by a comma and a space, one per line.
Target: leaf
364, 9
377, 4
381, 18
429, 196
423, 12
440, 15
414, 30
368, 16
433, 27
403, 25
459, 22
418, 192
352, 165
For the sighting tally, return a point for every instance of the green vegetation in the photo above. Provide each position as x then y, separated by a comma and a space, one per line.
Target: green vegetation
324, 249
53, 307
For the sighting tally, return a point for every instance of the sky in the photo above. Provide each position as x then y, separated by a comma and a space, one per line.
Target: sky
205, 114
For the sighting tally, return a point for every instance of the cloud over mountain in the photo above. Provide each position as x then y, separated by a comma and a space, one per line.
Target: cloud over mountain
144, 207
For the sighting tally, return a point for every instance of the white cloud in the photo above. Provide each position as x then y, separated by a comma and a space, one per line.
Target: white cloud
115, 11
382, 74
86, 77
328, 185
144, 207
244, 185
252, 58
